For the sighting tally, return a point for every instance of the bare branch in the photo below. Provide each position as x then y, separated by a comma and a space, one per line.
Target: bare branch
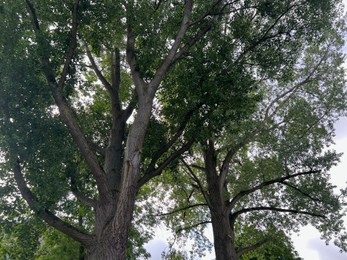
293, 211
241, 194
180, 210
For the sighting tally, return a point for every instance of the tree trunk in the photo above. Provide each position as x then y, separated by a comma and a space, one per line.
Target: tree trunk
114, 215
104, 249
223, 233
223, 237
112, 225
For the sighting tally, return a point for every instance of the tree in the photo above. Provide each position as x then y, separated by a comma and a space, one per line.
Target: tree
101, 67
270, 170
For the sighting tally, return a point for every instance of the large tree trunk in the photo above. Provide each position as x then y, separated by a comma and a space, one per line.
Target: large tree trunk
112, 224
112, 242
222, 230
223, 237
114, 216
104, 248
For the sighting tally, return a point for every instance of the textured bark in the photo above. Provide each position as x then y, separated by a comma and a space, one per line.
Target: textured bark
223, 234
103, 248
223, 237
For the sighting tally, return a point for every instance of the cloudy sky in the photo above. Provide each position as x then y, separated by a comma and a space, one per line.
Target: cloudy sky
307, 242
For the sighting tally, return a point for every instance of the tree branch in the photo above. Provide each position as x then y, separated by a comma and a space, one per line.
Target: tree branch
265, 36
193, 226
225, 166
171, 142
170, 159
198, 182
131, 55
293, 211
98, 73
95, 147
72, 47
179, 210
79, 195
241, 194
67, 113
83, 198
48, 216
158, 77
300, 191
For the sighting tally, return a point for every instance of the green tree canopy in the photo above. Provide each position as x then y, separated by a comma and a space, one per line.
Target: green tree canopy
100, 97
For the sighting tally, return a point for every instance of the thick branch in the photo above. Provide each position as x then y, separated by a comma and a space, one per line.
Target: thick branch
83, 198
201, 33
95, 147
33, 16
293, 211
82, 143
131, 55
241, 194
65, 110
48, 216
175, 46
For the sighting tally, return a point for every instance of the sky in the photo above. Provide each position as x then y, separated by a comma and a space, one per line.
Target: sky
307, 242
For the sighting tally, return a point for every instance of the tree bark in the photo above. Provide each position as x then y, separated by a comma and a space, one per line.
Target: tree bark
223, 237
103, 248
223, 234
